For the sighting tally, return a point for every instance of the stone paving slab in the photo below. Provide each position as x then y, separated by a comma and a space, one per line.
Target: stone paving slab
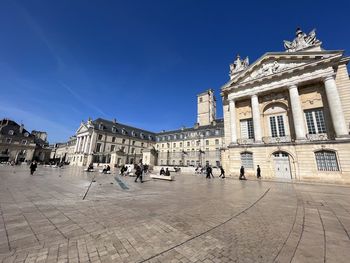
43, 218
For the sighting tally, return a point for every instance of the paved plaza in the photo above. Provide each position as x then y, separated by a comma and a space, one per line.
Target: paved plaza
45, 219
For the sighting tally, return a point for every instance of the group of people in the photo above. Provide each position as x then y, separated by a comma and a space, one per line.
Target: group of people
242, 176
166, 172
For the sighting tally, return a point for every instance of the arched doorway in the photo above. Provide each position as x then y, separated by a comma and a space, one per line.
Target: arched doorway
282, 167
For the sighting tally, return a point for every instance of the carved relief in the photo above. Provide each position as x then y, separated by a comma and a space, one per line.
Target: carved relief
238, 65
271, 68
302, 41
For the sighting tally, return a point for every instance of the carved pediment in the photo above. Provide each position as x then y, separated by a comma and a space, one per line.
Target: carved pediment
277, 63
270, 68
82, 128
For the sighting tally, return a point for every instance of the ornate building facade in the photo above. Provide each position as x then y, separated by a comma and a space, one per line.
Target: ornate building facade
289, 112
108, 142
19, 145
199, 145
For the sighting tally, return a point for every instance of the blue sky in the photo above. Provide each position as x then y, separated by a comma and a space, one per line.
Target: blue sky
141, 62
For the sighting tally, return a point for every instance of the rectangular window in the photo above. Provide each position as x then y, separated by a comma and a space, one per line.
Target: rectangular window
113, 139
247, 129
247, 160
326, 161
100, 137
142, 144
174, 145
98, 147
8, 140
198, 143
315, 121
133, 142
280, 122
24, 141
123, 141
216, 141
277, 126
132, 150
112, 148
180, 144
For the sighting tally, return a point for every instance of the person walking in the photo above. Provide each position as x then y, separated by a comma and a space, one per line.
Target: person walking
138, 173
209, 172
33, 167
258, 172
167, 172
241, 174
222, 172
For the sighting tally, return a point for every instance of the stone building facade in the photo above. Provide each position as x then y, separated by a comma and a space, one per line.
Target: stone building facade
109, 142
63, 152
289, 112
196, 146
16, 143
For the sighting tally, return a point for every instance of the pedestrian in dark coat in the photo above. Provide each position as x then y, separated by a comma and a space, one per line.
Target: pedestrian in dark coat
209, 172
241, 174
138, 173
33, 167
222, 172
258, 172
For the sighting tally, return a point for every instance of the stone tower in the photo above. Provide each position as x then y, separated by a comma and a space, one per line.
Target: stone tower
206, 108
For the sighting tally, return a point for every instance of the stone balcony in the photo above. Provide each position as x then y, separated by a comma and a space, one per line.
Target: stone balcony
318, 137
282, 139
245, 141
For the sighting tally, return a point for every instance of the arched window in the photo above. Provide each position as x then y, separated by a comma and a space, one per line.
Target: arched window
326, 161
247, 160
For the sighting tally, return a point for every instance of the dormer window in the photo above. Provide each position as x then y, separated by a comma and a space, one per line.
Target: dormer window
150, 138
114, 129
26, 134
133, 133
142, 135
11, 132
123, 131
100, 127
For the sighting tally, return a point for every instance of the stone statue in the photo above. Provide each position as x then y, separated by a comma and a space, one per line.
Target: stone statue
238, 65
301, 41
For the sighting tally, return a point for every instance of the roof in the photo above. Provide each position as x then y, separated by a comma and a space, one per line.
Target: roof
12, 128
129, 130
219, 124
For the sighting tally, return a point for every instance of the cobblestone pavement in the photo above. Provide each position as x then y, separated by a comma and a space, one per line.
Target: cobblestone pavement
43, 218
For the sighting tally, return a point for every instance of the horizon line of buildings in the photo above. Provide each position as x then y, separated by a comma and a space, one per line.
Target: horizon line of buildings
288, 112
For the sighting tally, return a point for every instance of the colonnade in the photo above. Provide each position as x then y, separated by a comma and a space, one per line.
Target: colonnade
334, 103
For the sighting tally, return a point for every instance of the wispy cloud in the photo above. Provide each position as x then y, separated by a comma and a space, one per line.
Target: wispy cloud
34, 121
83, 100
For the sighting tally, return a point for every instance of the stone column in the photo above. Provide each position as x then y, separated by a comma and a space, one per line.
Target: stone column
86, 143
76, 145
82, 144
91, 142
233, 121
298, 116
256, 118
335, 107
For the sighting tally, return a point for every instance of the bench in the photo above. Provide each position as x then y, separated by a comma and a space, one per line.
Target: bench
162, 177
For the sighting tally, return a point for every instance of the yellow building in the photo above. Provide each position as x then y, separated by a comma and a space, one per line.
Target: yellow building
289, 112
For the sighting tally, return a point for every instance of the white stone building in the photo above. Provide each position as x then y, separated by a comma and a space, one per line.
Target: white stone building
198, 145
289, 112
109, 142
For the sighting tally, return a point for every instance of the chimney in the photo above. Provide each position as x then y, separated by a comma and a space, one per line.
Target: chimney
21, 128
114, 120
